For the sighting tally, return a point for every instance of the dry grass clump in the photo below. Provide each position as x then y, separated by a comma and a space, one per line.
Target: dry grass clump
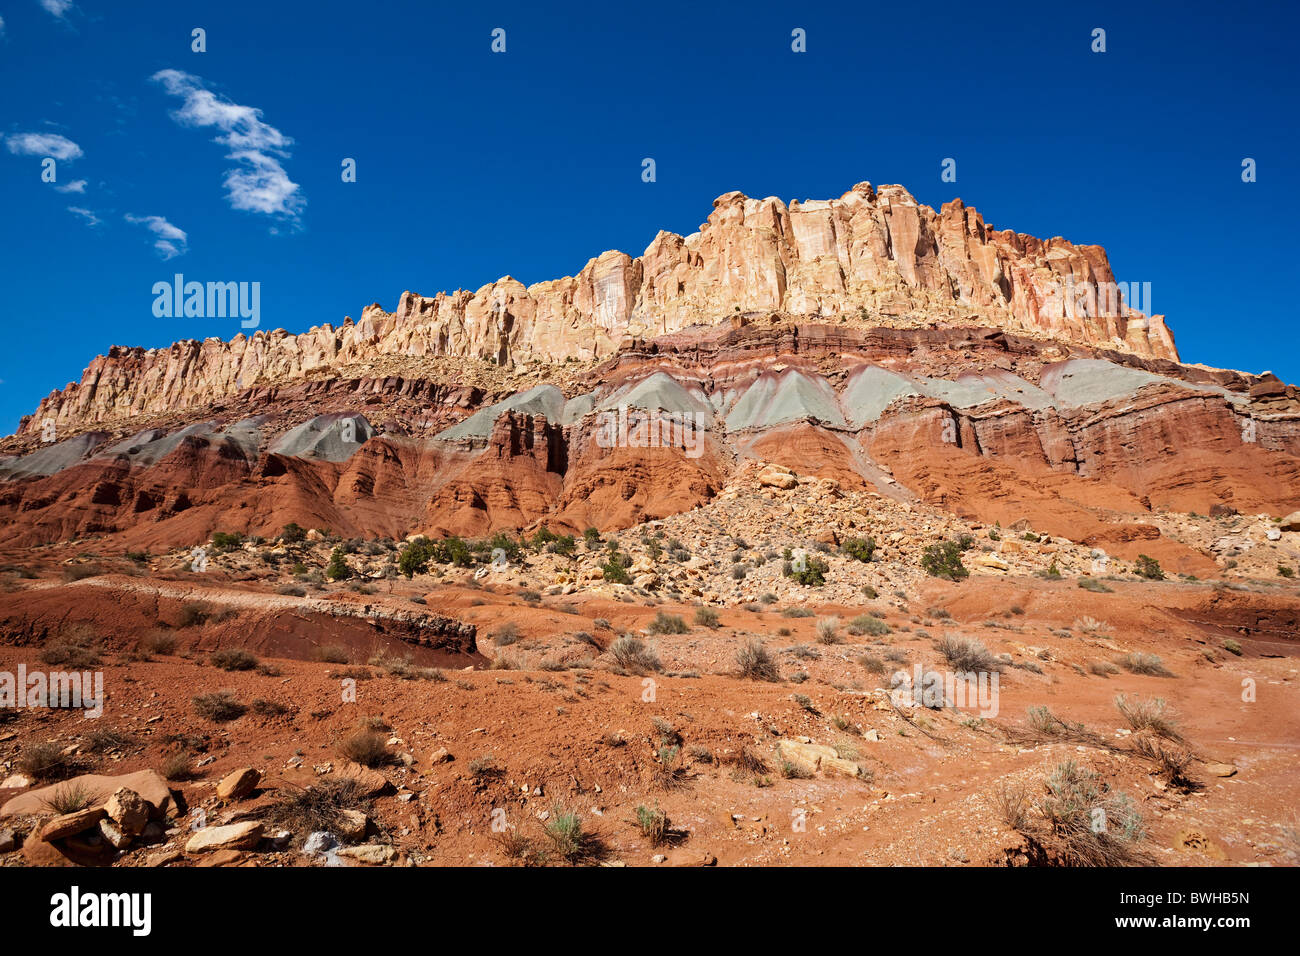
366, 748
219, 706
314, 808
1152, 715
234, 659
634, 655
1148, 664
1079, 821
755, 662
966, 655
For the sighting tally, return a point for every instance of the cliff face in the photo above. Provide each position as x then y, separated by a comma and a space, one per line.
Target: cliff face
875, 256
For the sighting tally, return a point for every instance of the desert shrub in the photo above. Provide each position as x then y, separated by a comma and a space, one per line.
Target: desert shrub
1151, 715
268, 708
794, 771
755, 662
233, 659
1148, 664
634, 655
966, 655
706, 617
366, 748
796, 612
104, 740
869, 625
43, 761
178, 766
860, 549
223, 541
668, 624
73, 653
70, 797
1286, 571
219, 706
614, 570
828, 630
1102, 668
1149, 568
943, 560
569, 840
813, 573
653, 824
318, 807
291, 590
193, 613
1171, 762
872, 664
1232, 647
157, 642
1092, 584
1074, 795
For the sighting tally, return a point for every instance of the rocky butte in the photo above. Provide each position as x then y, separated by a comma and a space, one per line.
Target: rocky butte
872, 257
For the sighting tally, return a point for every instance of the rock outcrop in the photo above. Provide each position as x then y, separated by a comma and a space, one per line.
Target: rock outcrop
873, 256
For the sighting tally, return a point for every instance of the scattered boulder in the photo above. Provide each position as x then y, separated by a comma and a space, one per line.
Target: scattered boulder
71, 824
777, 476
239, 784
813, 757
319, 842
352, 825
149, 784
8, 841
374, 854
371, 783
113, 835
1291, 522
128, 811
236, 836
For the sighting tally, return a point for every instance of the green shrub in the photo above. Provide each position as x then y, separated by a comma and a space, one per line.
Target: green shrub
1149, 568
943, 560
861, 549
338, 567
668, 624
706, 617
223, 541
234, 659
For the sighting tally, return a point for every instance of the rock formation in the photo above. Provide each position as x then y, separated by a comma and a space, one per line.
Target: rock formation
873, 257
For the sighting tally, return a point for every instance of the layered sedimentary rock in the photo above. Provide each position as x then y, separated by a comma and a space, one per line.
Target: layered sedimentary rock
875, 257
993, 427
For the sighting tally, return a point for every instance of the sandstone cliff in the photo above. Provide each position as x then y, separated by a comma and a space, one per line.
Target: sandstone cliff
876, 257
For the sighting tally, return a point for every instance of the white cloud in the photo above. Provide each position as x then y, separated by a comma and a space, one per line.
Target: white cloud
2, 26
76, 186
260, 183
90, 218
171, 241
43, 144
58, 8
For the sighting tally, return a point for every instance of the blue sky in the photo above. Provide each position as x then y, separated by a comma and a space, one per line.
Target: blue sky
472, 165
